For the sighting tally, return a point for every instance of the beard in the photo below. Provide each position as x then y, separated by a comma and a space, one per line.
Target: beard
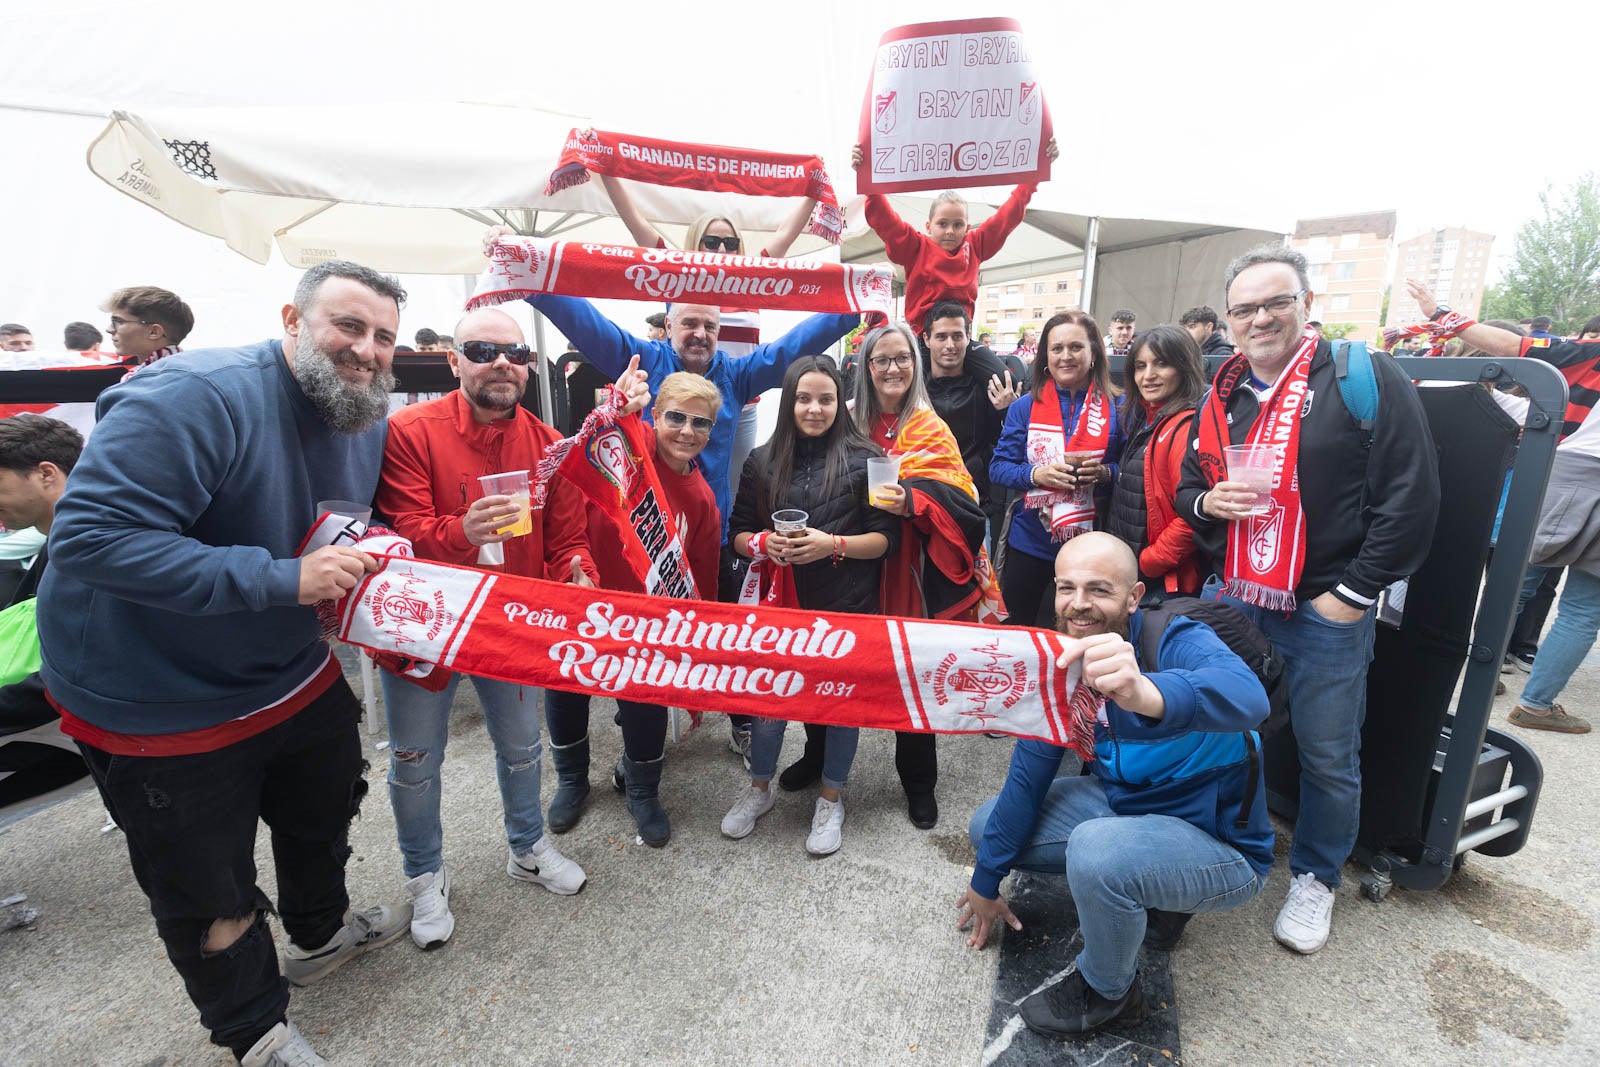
501, 396
1117, 625
346, 408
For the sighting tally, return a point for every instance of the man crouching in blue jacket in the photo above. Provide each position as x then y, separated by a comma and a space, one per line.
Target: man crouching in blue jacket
1172, 819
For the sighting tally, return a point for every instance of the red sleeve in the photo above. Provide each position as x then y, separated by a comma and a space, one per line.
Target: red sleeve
990, 237
405, 495
901, 242
1559, 353
1174, 545
703, 532
566, 528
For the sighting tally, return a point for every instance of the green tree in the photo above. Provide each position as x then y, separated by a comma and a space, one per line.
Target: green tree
1555, 269
1338, 331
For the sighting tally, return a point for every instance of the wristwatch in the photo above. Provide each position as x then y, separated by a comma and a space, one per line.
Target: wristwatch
1440, 312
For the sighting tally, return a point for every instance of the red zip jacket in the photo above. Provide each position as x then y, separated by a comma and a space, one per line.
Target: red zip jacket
431, 464
932, 274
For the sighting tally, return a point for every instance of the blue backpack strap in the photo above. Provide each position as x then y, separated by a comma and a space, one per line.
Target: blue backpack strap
1358, 383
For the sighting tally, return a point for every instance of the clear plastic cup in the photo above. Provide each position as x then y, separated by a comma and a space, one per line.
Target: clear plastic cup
1254, 465
345, 509
882, 473
513, 484
790, 521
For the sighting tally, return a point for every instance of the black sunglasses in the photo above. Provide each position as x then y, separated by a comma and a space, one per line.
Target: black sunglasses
727, 244
675, 420
486, 351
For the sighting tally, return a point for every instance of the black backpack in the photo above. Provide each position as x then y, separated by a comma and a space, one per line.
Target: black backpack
1236, 630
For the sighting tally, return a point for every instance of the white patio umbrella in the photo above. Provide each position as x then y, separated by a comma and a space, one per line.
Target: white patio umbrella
405, 188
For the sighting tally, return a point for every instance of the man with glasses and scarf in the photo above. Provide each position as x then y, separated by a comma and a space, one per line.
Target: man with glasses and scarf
1349, 512
147, 324
435, 455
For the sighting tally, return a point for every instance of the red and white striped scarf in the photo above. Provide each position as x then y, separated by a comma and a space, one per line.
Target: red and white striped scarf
1438, 332
158, 354
707, 167
1266, 553
1071, 511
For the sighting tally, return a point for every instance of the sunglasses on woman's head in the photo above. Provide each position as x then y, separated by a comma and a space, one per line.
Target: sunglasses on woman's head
726, 244
676, 420
486, 351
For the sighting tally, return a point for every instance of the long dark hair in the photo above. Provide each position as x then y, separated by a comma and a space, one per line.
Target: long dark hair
1099, 366
1171, 346
837, 442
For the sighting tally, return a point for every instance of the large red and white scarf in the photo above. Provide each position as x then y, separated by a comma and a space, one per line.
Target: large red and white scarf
608, 460
1071, 512
1437, 331
866, 671
1266, 553
522, 266
708, 167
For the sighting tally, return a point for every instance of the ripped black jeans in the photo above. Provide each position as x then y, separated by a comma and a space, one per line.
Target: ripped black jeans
190, 823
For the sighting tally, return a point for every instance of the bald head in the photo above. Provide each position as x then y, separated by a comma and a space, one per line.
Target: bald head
1097, 585
488, 324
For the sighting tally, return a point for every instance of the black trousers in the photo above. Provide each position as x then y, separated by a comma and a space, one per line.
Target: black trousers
644, 726
1029, 586
1530, 621
916, 756
190, 823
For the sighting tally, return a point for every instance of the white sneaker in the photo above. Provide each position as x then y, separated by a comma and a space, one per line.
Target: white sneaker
431, 921
1305, 917
751, 805
282, 1046
826, 823
543, 865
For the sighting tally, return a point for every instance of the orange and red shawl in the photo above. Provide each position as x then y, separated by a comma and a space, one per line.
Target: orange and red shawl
948, 521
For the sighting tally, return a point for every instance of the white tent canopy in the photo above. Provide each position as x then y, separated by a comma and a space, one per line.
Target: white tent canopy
386, 187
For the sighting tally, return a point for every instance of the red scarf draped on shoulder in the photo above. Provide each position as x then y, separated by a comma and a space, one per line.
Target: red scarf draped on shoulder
1266, 553
1072, 512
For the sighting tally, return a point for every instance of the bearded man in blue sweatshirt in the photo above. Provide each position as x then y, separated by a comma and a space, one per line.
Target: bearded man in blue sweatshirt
181, 647
1171, 820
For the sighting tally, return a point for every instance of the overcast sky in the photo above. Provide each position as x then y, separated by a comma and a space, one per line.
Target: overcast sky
1293, 110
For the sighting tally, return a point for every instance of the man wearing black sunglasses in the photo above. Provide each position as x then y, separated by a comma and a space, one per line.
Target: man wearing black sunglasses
435, 454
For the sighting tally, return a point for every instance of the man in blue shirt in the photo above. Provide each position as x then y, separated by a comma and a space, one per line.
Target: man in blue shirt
1171, 820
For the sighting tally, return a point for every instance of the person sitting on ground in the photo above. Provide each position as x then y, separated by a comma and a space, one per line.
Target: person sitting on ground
1171, 824
943, 264
685, 411
815, 463
1162, 382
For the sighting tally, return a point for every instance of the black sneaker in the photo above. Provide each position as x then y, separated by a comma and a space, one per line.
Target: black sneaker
800, 774
1071, 1008
923, 808
1164, 929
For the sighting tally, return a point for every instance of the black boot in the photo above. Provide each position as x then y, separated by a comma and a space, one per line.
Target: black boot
1163, 929
644, 804
572, 785
807, 770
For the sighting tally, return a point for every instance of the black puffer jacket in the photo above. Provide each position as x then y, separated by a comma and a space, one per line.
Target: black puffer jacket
852, 585
1126, 519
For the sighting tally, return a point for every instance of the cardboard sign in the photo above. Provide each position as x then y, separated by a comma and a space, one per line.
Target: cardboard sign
952, 105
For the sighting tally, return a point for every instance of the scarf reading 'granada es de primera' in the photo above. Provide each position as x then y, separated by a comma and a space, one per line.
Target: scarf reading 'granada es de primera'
707, 167
522, 266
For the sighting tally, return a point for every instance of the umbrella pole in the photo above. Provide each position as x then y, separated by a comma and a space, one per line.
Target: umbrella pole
1091, 255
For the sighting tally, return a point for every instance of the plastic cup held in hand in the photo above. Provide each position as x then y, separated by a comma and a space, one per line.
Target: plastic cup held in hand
882, 473
790, 521
345, 509
1254, 465
515, 485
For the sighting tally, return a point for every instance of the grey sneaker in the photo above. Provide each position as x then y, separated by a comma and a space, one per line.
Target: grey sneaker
1555, 719
364, 929
282, 1046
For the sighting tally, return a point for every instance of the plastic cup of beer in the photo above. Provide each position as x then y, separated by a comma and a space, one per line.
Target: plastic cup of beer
345, 509
790, 521
882, 473
1253, 465
515, 485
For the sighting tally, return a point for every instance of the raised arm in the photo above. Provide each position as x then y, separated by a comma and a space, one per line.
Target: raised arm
602, 342
792, 227
644, 234
763, 368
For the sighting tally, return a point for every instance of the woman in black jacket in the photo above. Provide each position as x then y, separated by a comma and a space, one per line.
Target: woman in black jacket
816, 462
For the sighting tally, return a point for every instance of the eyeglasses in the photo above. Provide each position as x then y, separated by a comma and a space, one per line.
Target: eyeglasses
117, 322
486, 351
677, 420
885, 362
727, 244
1276, 306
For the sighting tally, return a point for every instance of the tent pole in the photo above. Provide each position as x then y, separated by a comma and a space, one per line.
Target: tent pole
1091, 256
546, 401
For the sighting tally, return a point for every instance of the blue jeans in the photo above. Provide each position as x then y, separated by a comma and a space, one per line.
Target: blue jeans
1326, 664
766, 741
419, 726
1119, 865
1571, 637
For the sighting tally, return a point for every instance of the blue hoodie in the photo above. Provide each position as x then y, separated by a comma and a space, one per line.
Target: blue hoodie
1192, 763
171, 601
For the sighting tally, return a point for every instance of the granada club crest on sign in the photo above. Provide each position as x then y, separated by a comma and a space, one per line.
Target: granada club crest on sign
1027, 102
885, 112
